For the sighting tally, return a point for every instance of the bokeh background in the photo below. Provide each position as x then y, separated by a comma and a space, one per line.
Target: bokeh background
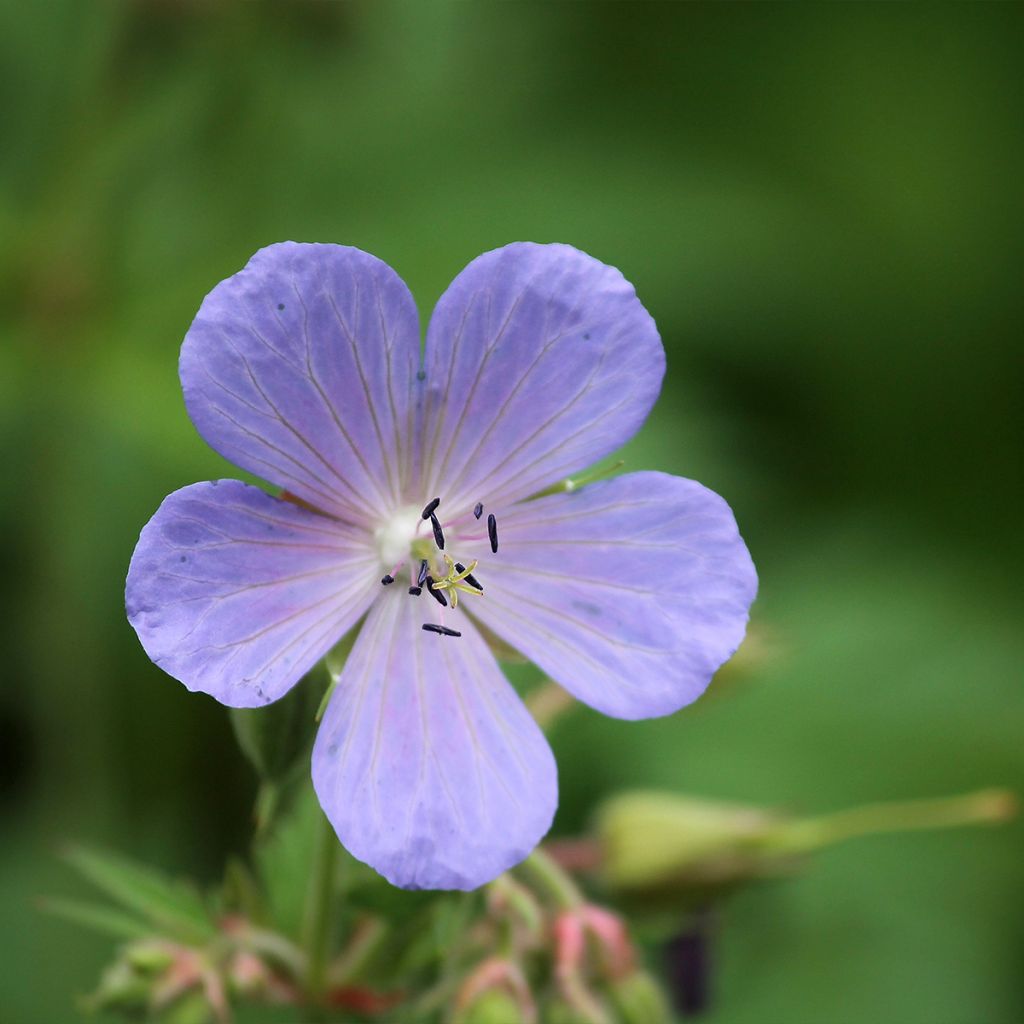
821, 206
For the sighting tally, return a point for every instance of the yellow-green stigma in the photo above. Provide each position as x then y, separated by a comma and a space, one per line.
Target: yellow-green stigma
458, 578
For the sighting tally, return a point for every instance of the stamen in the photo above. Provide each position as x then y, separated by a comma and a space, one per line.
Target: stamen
432, 627
435, 594
438, 535
424, 569
415, 591
387, 580
468, 576
428, 511
479, 510
492, 532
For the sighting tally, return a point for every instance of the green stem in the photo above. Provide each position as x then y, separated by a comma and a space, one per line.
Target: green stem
319, 912
545, 873
991, 805
364, 939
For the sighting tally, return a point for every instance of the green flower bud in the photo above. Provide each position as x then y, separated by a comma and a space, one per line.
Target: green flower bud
149, 957
559, 1011
191, 1008
638, 999
660, 844
496, 991
121, 988
494, 1006
659, 840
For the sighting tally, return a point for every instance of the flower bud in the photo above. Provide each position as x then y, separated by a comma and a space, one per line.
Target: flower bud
653, 841
655, 844
496, 990
248, 975
561, 1011
638, 999
191, 1008
149, 957
492, 1007
121, 988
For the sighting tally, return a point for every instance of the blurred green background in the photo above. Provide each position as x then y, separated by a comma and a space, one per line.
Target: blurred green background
821, 206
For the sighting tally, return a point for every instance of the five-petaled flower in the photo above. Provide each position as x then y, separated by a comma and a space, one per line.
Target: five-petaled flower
412, 504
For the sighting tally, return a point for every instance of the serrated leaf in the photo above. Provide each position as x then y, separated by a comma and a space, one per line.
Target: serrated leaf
173, 906
98, 918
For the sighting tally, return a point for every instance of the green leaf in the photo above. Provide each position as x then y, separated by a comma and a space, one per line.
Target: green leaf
276, 738
98, 918
281, 861
173, 906
241, 891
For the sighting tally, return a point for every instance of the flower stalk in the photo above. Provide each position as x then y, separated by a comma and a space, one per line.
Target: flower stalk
545, 874
983, 807
319, 911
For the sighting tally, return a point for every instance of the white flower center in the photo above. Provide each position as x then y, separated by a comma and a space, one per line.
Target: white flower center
395, 535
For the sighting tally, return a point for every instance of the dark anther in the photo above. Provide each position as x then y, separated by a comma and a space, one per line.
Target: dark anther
432, 627
415, 591
438, 535
479, 510
424, 569
429, 510
435, 594
388, 579
280, 305
469, 577
492, 532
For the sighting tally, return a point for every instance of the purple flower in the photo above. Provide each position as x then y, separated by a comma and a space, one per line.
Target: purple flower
305, 369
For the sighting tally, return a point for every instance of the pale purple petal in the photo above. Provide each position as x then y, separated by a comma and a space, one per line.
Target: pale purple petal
238, 594
427, 763
539, 360
301, 368
630, 592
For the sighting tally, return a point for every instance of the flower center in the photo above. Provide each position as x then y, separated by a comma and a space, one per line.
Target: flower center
395, 536
416, 539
